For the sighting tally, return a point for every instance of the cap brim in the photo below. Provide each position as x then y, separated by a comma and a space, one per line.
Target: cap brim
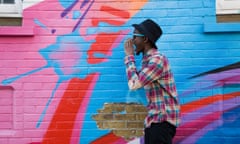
137, 27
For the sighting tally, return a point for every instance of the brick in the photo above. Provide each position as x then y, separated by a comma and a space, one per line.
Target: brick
124, 119
128, 117
135, 124
114, 124
141, 116
192, 4
6, 109
113, 108
19, 140
135, 108
103, 116
4, 141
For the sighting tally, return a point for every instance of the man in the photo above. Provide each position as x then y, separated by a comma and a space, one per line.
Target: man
157, 79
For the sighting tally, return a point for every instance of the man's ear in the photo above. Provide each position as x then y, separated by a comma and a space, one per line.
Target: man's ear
145, 39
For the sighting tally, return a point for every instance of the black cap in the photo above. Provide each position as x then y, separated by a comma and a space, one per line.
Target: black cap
150, 29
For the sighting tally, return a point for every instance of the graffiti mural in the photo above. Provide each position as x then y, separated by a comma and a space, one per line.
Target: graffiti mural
68, 84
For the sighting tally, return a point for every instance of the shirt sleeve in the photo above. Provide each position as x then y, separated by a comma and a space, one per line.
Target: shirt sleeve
148, 73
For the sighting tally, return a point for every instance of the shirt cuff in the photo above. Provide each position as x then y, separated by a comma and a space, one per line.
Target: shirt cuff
129, 58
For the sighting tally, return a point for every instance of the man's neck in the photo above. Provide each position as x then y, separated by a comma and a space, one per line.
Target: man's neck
146, 49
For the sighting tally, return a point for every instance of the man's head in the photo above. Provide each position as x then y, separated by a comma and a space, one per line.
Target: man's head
147, 32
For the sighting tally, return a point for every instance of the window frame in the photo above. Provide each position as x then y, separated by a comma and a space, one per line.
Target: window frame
11, 10
227, 7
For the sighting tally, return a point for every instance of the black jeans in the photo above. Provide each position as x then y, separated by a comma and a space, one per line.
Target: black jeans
159, 133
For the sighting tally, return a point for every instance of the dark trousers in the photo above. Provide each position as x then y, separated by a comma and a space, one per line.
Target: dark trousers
159, 133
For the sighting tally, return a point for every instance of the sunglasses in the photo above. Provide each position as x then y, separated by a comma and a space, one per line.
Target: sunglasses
137, 35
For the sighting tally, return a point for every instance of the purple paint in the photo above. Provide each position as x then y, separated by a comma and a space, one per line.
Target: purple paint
82, 17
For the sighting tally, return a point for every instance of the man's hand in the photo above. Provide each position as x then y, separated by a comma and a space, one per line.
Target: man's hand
128, 47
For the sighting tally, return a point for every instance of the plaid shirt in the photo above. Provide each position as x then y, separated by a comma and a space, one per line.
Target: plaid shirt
157, 79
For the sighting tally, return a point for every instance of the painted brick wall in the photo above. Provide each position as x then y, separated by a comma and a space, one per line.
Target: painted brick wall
63, 78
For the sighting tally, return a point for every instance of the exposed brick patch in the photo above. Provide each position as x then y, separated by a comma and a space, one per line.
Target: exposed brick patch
124, 119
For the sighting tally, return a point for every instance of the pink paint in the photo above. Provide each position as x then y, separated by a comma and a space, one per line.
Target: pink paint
17, 31
201, 132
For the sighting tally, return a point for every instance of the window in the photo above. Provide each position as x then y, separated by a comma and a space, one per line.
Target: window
228, 6
6, 107
227, 17
10, 8
228, 10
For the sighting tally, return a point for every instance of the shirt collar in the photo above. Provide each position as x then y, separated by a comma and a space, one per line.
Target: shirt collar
149, 53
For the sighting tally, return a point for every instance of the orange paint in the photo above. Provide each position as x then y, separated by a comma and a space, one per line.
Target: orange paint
103, 45
135, 5
96, 21
114, 11
62, 123
107, 139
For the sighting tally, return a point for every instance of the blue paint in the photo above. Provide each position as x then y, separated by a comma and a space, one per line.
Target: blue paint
80, 70
36, 21
228, 132
68, 8
76, 14
104, 27
56, 64
47, 105
11, 80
